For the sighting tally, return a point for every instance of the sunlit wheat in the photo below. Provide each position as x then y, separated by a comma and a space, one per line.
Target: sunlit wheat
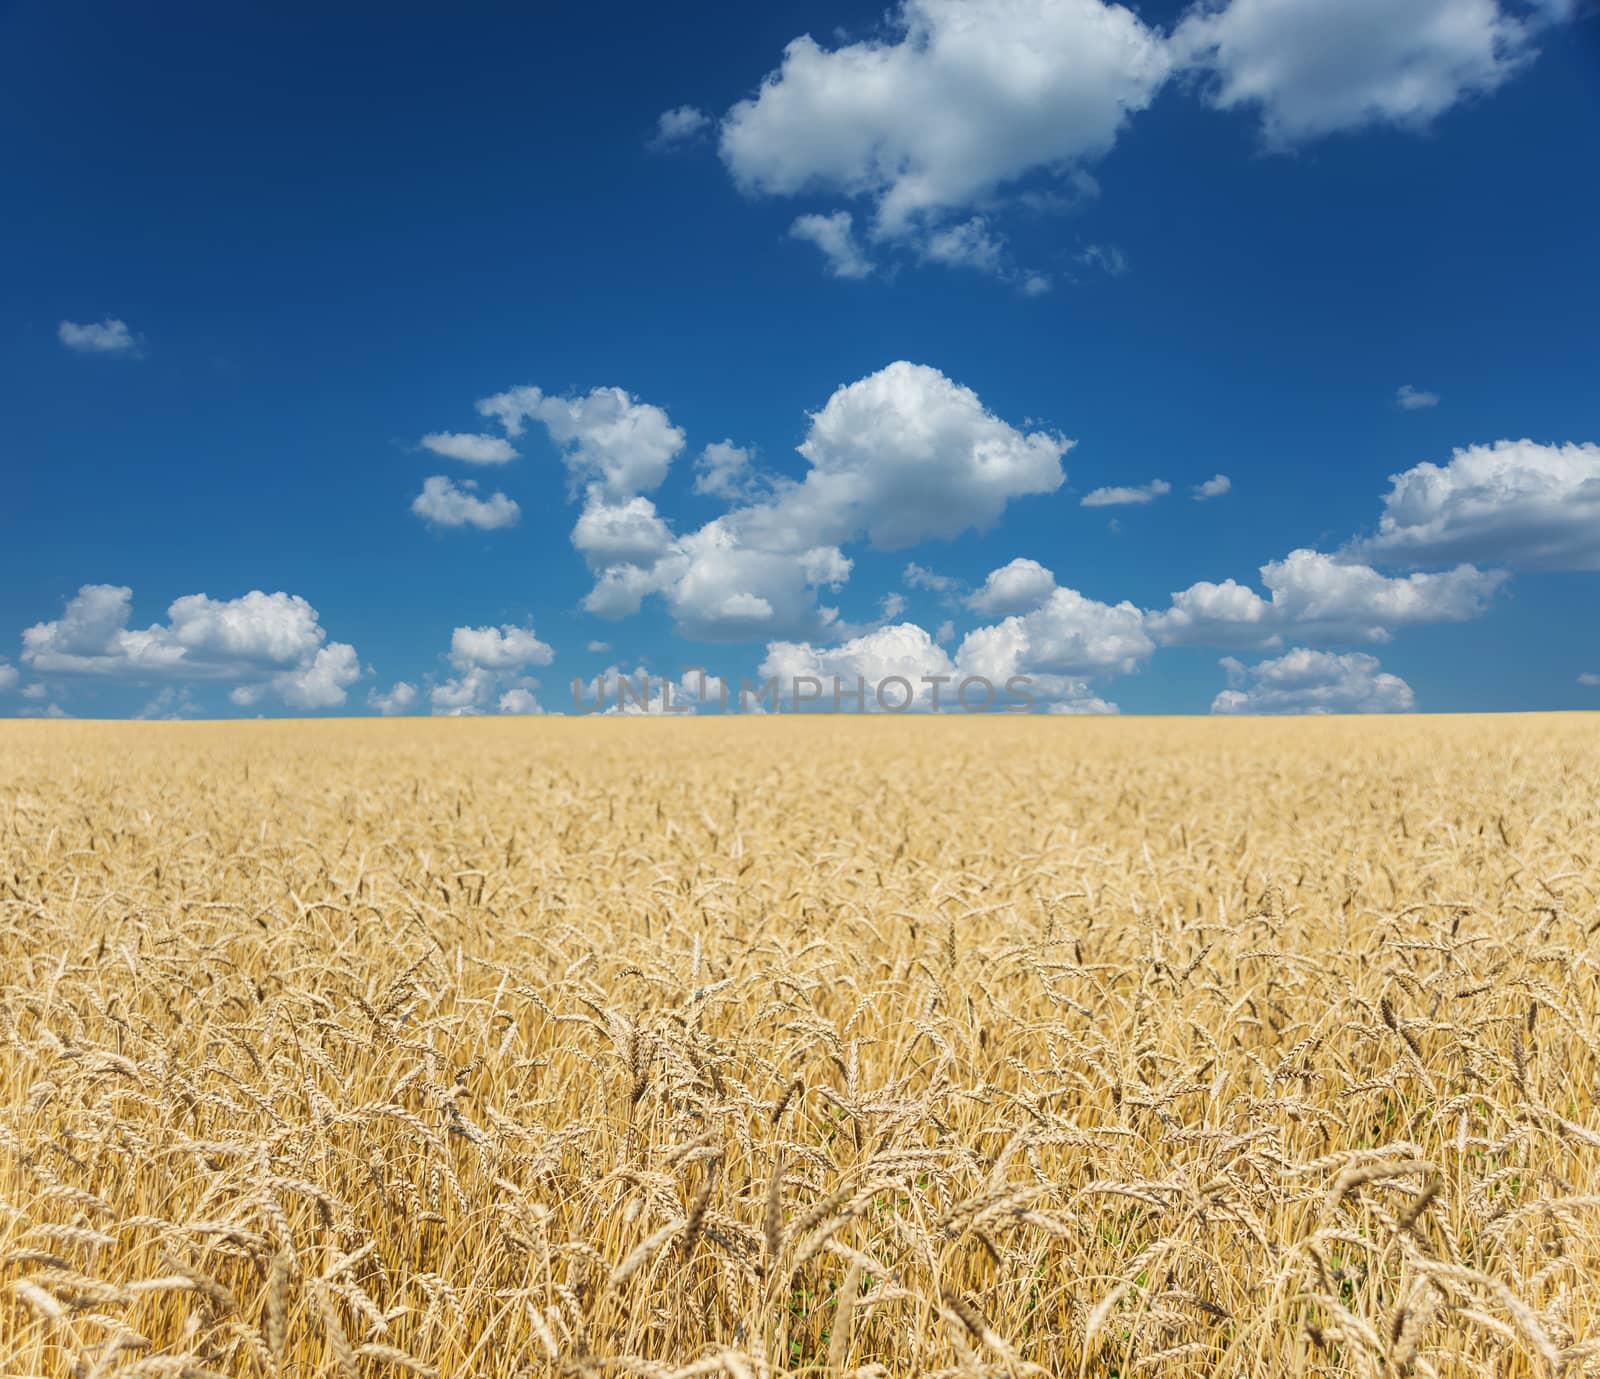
968, 1046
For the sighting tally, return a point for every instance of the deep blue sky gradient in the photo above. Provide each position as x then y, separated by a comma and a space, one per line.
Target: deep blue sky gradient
336, 227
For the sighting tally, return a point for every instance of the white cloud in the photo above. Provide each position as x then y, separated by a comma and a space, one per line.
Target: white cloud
1018, 587
520, 701
447, 504
170, 705
725, 470
109, 336
963, 99
626, 533
1108, 258
1589, 678
825, 566
721, 587
486, 661
598, 648
1083, 703
399, 698
1412, 399
835, 236
321, 684
1213, 487
1515, 503
8, 676
920, 577
35, 691
266, 642
967, 244
678, 126
498, 648
49, 711
1315, 682
1317, 597
946, 633
1311, 67
607, 437
474, 449
742, 607
1018, 660
899, 457
1122, 497
1066, 637
903, 650
463, 694
906, 455
891, 606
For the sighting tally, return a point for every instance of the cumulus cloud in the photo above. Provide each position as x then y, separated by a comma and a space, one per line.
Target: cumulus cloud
498, 648
1123, 497
474, 449
835, 236
598, 648
1311, 68
268, 643
1414, 399
901, 667
8, 676
1589, 678
680, 125
608, 438
447, 504
109, 336
1213, 487
1067, 637
519, 701
488, 663
1019, 587
625, 533
397, 700
726, 470
959, 101
1051, 646
956, 106
721, 587
1322, 598
1312, 682
907, 455
902, 456
897, 458
903, 650
1515, 503
322, 684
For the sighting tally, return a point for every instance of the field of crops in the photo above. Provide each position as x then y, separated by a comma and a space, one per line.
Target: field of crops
847, 1046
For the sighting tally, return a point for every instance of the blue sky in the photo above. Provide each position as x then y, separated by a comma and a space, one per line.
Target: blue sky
887, 273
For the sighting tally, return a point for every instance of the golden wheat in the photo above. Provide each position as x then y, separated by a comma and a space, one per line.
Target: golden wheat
950, 1047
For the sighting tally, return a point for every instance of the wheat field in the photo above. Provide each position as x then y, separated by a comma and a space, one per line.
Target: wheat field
969, 1046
